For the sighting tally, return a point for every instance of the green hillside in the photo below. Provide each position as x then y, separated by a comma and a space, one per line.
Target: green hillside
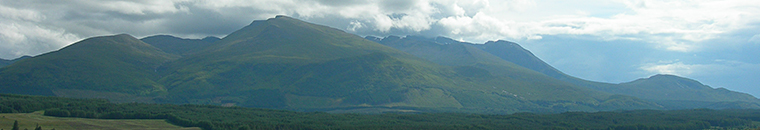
669, 91
538, 87
474, 59
284, 62
118, 63
678, 88
657, 88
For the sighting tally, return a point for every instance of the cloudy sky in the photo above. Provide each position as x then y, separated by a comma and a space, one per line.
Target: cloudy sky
714, 41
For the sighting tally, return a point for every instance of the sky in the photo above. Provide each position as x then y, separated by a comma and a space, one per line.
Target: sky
716, 42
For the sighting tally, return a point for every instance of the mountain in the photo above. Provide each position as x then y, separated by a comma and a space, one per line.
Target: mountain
119, 63
285, 63
4, 62
678, 88
467, 56
290, 64
669, 89
178, 46
671, 92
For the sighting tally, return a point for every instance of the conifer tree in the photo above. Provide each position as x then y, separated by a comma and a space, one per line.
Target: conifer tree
15, 125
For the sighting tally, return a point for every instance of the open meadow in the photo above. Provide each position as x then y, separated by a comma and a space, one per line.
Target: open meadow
31, 120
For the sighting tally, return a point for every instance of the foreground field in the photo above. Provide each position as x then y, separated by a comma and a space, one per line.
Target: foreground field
31, 120
101, 114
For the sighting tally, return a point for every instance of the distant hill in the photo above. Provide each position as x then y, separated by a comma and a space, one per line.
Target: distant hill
4, 62
179, 46
118, 63
670, 91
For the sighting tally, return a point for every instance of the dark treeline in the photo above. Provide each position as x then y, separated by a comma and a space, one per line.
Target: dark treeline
216, 117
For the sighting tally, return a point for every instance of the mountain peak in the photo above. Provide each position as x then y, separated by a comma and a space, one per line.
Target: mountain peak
670, 76
297, 40
667, 80
112, 39
282, 16
124, 35
211, 39
503, 42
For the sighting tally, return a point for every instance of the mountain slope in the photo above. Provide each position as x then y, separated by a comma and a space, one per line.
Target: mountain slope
290, 64
541, 88
118, 63
284, 63
678, 88
657, 87
672, 92
678, 92
179, 46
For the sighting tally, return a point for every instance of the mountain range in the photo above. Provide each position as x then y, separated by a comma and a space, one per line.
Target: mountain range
669, 91
285, 63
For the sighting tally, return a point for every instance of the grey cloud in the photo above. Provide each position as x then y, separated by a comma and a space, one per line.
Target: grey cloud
201, 21
342, 2
398, 5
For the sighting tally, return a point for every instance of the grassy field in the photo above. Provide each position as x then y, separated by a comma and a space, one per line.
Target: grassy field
31, 120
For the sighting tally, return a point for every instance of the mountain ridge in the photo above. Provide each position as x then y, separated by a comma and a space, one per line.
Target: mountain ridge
4, 62
286, 63
118, 63
680, 89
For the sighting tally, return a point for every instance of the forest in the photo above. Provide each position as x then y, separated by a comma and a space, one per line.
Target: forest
209, 117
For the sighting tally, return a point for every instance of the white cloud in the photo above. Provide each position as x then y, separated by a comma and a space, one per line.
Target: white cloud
138, 7
670, 67
717, 67
20, 14
20, 34
354, 25
383, 23
21, 39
